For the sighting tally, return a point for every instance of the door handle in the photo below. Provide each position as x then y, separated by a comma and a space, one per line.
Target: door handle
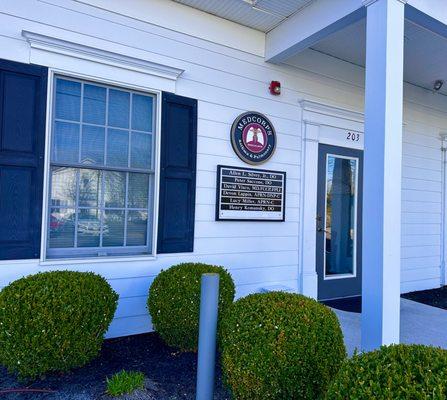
319, 223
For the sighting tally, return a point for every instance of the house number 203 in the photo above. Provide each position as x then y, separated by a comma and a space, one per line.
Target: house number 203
353, 137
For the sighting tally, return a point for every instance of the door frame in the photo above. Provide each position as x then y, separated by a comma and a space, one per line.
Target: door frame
326, 124
345, 285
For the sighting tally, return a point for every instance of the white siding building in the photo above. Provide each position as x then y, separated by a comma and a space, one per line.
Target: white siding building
224, 54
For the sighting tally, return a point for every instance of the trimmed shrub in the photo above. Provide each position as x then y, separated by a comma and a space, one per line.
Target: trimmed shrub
174, 302
53, 321
280, 346
394, 372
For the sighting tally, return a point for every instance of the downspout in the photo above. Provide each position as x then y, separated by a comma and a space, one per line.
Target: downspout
443, 280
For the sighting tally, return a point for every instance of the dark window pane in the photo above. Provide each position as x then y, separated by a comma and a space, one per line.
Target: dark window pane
61, 228
141, 150
89, 188
92, 150
117, 148
136, 228
113, 228
119, 104
68, 100
89, 227
138, 190
114, 189
142, 112
63, 186
94, 106
66, 142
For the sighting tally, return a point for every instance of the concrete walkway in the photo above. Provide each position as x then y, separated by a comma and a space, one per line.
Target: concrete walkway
419, 324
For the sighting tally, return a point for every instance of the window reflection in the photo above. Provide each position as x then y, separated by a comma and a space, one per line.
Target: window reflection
341, 208
101, 169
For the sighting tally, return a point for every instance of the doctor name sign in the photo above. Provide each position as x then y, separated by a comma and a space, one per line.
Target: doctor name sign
253, 137
250, 194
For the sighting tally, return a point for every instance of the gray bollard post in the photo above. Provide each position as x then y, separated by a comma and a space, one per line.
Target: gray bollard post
209, 305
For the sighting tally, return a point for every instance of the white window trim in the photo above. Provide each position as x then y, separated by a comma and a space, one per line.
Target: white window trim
44, 261
327, 277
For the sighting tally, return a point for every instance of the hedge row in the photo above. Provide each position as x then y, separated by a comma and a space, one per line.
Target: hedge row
273, 346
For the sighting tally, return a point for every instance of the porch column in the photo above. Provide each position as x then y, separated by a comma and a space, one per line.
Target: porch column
382, 173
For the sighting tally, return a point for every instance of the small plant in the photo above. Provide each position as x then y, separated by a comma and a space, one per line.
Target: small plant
53, 321
393, 372
280, 346
125, 382
174, 302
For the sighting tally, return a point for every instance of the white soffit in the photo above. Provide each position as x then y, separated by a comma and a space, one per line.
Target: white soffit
425, 54
264, 15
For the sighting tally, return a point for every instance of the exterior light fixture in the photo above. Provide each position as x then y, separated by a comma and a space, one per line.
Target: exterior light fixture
254, 6
275, 88
438, 85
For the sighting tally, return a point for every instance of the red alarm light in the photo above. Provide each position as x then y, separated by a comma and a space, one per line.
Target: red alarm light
275, 88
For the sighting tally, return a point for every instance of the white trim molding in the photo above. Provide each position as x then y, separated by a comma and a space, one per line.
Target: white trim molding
63, 47
326, 109
443, 139
322, 123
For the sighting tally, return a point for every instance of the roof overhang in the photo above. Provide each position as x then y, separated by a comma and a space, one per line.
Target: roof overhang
322, 18
307, 27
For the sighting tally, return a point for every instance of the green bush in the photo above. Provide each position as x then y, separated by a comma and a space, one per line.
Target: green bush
174, 302
125, 382
280, 346
53, 321
394, 372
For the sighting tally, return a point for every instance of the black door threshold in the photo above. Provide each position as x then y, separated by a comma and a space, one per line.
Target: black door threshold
350, 304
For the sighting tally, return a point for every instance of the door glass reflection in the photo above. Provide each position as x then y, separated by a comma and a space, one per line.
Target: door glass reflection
341, 215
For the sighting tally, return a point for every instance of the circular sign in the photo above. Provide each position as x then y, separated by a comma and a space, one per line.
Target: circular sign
253, 137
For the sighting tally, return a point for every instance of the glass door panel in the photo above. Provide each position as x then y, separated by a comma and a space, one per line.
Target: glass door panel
340, 232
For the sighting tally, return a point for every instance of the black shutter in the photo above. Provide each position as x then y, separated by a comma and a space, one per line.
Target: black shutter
22, 141
177, 174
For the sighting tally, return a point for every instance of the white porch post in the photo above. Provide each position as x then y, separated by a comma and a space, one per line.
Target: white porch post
382, 173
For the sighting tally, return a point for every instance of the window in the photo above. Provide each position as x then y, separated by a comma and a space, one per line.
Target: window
101, 171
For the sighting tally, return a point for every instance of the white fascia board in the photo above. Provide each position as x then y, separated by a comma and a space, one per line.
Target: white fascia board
307, 27
429, 14
436, 9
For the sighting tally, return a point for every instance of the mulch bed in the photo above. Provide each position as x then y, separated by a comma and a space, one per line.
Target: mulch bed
171, 374
432, 297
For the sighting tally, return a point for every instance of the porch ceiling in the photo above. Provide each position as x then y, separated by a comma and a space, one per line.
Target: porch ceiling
425, 54
262, 15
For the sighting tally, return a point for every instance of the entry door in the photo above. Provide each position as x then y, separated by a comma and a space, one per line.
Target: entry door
339, 222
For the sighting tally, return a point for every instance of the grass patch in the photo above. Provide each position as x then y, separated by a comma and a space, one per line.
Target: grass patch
124, 382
